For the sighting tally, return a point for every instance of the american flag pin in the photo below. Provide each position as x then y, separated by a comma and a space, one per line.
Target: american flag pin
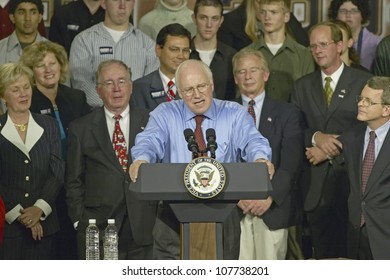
269, 119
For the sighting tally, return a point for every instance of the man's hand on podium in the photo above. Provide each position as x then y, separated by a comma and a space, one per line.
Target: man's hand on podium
255, 207
270, 166
133, 170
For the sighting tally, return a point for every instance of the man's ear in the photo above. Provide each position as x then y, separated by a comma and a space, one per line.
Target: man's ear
386, 111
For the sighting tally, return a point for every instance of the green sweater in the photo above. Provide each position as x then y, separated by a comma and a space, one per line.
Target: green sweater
291, 62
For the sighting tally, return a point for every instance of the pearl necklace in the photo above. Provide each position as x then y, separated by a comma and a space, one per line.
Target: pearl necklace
21, 127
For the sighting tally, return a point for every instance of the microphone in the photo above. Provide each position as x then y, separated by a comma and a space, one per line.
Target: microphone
192, 145
211, 143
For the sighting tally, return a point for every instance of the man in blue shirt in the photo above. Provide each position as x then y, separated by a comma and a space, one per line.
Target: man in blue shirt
163, 140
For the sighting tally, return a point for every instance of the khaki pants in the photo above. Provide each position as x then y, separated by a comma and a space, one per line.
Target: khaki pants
258, 242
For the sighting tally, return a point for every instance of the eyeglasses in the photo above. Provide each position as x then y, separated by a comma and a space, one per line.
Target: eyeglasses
321, 45
351, 11
367, 102
191, 90
177, 50
110, 84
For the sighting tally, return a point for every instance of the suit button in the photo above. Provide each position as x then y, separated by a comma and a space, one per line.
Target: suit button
26, 195
26, 161
27, 178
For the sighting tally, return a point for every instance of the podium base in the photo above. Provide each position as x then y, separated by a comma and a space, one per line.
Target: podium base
201, 241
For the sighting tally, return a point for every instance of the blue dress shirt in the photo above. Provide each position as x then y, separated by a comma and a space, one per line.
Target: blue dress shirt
236, 135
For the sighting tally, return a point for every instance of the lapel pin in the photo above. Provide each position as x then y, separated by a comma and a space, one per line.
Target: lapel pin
342, 93
142, 127
269, 119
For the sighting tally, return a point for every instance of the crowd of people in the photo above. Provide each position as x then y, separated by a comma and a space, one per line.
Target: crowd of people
84, 108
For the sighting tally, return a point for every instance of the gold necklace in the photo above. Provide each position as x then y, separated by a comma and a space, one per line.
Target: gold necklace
21, 127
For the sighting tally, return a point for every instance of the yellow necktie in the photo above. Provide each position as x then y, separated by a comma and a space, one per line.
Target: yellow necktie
328, 90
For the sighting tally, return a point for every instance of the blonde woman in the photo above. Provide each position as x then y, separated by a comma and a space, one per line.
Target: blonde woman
31, 169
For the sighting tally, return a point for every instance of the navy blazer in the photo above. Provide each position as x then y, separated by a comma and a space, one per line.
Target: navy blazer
280, 123
26, 176
71, 104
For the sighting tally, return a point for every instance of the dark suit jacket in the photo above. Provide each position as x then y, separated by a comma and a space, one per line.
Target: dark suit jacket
309, 97
26, 176
375, 202
97, 188
71, 104
222, 69
232, 30
148, 91
280, 123
2, 220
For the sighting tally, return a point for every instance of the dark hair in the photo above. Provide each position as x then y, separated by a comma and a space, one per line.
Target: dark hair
13, 4
362, 5
212, 3
173, 29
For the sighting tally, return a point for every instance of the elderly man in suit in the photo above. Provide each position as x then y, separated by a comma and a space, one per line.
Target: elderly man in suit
98, 158
264, 236
366, 148
326, 98
172, 48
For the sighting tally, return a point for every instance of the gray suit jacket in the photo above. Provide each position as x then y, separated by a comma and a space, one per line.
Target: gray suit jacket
97, 188
375, 201
148, 91
309, 97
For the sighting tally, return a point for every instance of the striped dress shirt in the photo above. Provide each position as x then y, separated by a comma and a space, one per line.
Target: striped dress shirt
95, 45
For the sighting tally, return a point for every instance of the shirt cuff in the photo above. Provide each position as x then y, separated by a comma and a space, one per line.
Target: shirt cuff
12, 215
313, 141
45, 207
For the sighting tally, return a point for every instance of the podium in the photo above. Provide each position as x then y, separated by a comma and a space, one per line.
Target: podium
162, 181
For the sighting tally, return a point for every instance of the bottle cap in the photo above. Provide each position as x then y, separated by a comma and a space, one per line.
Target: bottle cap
92, 221
111, 221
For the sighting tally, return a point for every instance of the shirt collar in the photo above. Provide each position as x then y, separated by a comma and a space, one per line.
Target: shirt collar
110, 115
165, 79
211, 113
259, 99
380, 132
335, 75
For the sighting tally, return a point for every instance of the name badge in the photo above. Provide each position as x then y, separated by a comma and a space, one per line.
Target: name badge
106, 50
45, 111
157, 94
73, 27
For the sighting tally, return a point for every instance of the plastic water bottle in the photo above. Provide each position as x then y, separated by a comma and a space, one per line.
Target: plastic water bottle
92, 241
111, 241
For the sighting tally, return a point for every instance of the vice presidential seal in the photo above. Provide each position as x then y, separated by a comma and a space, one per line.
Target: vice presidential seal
204, 177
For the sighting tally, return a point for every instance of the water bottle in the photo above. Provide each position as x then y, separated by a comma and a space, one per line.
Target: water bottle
92, 241
111, 241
